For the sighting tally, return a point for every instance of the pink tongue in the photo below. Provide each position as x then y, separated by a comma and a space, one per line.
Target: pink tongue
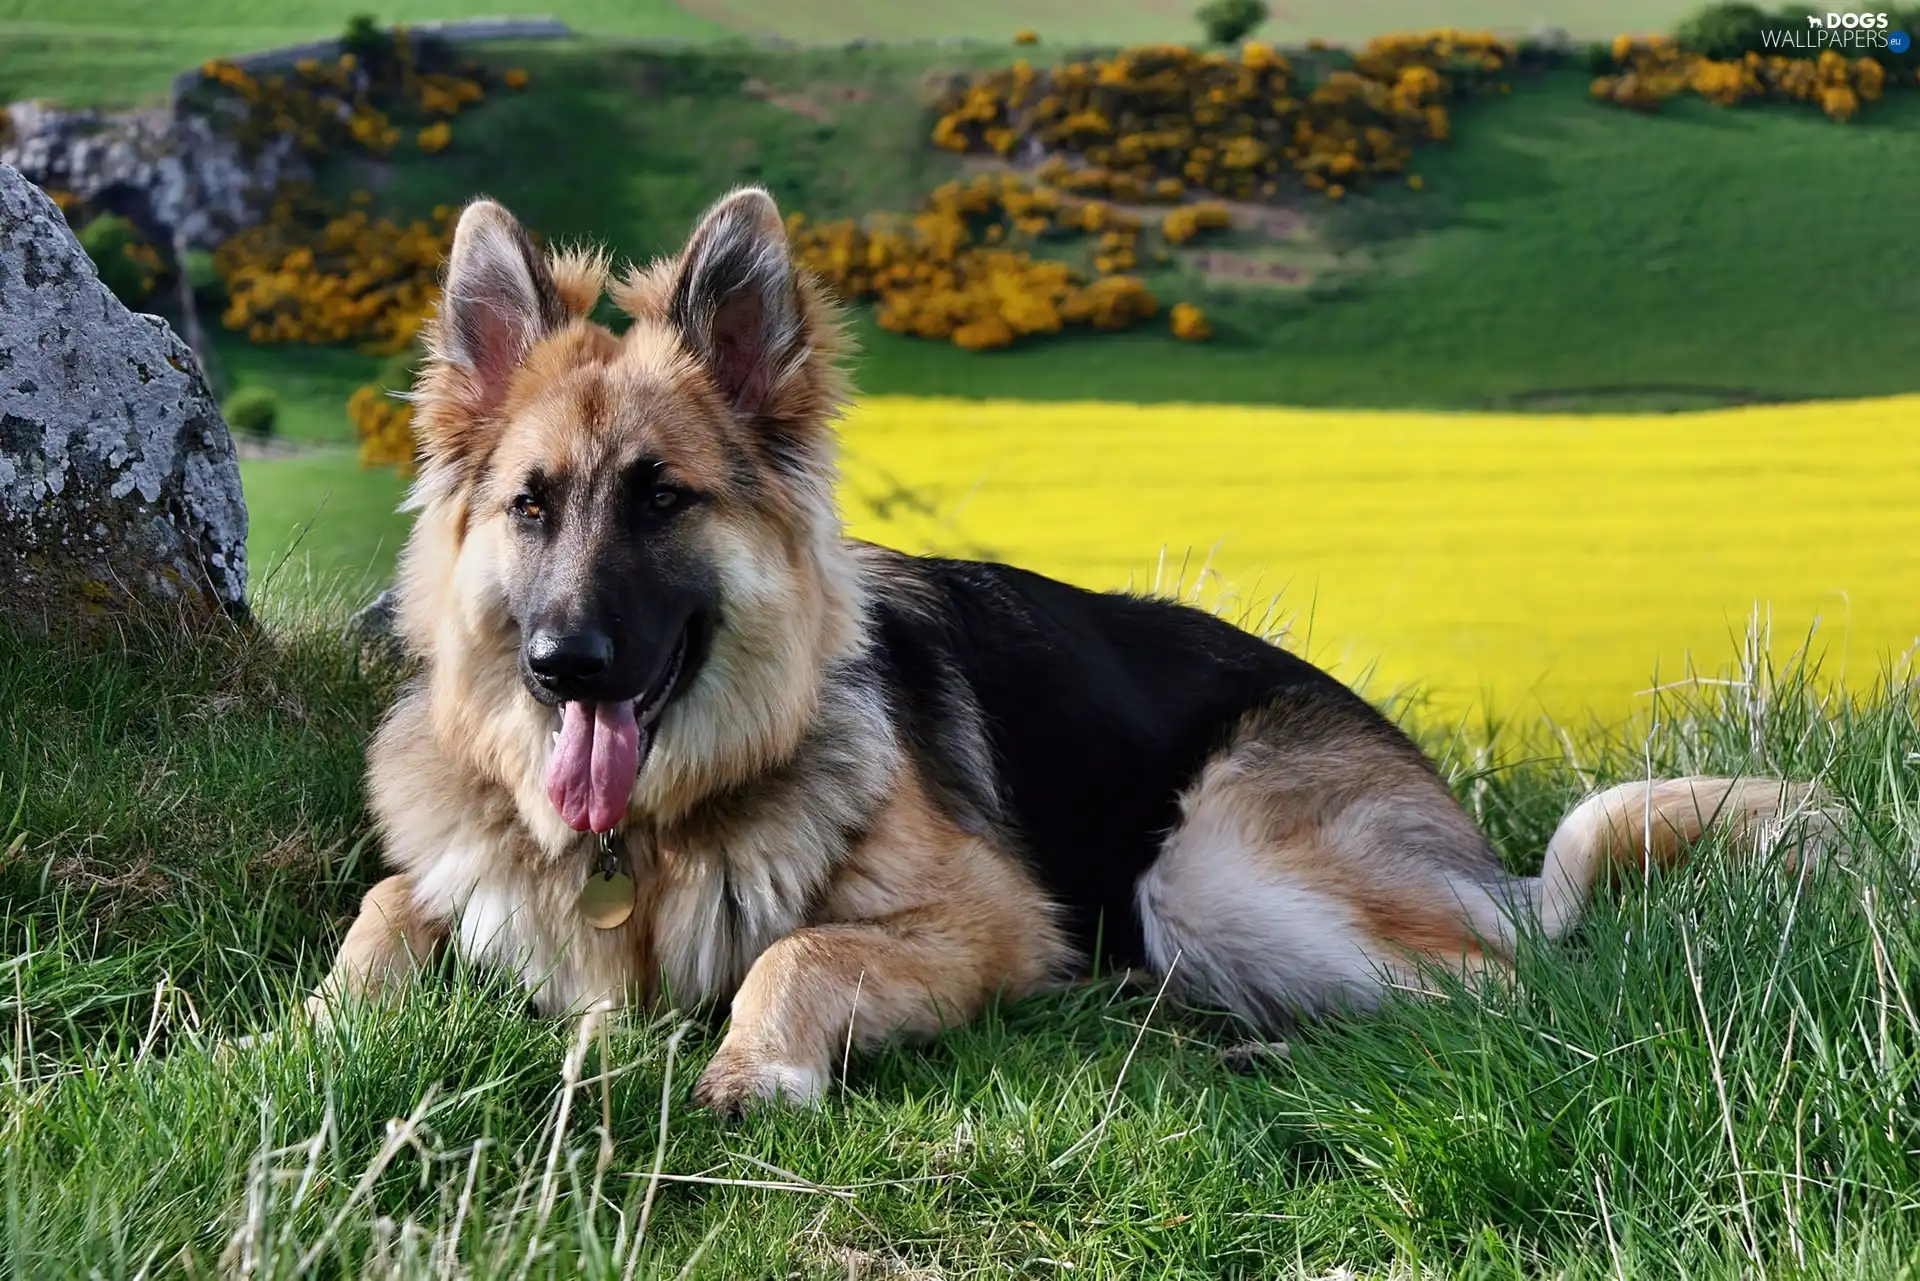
594, 764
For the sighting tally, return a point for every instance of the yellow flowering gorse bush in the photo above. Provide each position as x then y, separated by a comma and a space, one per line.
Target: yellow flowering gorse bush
384, 427
1655, 68
1183, 224
313, 272
1190, 323
303, 276
350, 100
962, 269
1154, 122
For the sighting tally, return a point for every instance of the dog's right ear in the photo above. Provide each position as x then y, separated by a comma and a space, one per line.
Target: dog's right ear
500, 299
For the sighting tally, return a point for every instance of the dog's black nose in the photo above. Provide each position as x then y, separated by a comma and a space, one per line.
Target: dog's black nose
565, 661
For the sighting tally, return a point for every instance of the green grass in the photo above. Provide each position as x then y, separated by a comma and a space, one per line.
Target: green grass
319, 522
627, 144
123, 51
1715, 1076
115, 52
1560, 244
322, 522
311, 384
1120, 21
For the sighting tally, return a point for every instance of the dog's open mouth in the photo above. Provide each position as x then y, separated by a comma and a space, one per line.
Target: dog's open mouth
600, 749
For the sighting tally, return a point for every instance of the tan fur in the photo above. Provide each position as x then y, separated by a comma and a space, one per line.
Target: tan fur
818, 397
1656, 823
581, 397
387, 940
919, 930
486, 854
1310, 862
580, 275
454, 773
1316, 865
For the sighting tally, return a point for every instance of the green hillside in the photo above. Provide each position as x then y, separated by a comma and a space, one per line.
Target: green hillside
1563, 253
1559, 244
116, 52
1124, 21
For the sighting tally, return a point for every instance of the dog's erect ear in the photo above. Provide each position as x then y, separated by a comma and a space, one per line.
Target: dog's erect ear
736, 301
500, 299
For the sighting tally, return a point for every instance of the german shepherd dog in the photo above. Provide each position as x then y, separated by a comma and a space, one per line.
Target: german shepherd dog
674, 737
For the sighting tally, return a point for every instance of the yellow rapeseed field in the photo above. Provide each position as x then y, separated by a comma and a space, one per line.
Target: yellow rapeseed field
1517, 564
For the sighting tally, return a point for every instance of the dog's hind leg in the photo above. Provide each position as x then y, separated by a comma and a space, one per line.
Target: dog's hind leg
1319, 860
387, 941
921, 928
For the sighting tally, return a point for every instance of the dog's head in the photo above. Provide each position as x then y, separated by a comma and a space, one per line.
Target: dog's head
645, 514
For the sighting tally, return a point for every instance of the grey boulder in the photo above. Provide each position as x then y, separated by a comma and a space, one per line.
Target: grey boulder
119, 485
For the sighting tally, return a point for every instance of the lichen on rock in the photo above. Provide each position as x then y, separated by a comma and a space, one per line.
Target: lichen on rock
118, 479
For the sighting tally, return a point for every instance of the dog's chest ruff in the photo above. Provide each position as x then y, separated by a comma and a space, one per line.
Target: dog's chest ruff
711, 894
701, 917
715, 913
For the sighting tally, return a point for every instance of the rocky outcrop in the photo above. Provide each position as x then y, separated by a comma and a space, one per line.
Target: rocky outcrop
181, 177
177, 171
118, 481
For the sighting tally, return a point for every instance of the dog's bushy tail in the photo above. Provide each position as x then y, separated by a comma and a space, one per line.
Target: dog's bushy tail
1634, 825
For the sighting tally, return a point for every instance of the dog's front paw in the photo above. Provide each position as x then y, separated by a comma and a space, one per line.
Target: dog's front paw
737, 1080
316, 1012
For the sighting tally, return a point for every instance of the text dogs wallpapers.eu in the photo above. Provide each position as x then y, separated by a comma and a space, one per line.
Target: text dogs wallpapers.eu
673, 736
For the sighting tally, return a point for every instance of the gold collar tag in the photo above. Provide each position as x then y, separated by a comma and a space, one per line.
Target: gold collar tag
606, 900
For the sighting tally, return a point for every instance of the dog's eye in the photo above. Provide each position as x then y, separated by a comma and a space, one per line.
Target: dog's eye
663, 499
527, 507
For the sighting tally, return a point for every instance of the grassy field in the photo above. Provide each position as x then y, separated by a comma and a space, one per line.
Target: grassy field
1120, 21
123, 51
1715, 1076
1563, 252
118, 52
322, 522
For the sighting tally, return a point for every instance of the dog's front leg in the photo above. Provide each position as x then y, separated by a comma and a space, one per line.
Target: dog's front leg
388, 940
922, 926
820, 991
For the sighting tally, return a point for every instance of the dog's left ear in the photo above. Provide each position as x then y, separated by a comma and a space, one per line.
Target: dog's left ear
737, 302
